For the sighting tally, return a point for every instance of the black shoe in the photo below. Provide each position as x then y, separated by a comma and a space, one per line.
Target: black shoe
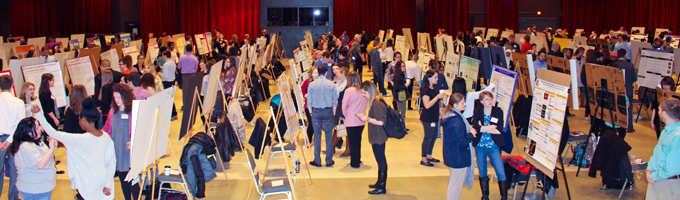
434, 160
60, 172
410, 108
428, 164
407, 130
57, 162
631, 130
503, 186
330, 164
78, 197
484, 184
315, 164
339, 144
381, 184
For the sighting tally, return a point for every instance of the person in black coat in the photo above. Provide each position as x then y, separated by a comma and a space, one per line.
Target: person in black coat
488, 121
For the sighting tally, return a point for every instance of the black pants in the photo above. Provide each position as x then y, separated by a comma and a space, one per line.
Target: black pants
429, 139
129, 191
310, 128
409, 92
657, 124
358, 66
167, 85
379, 153
378, 79
354, 139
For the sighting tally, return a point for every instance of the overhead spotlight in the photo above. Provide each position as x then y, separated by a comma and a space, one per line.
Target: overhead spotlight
317, 12
538, 13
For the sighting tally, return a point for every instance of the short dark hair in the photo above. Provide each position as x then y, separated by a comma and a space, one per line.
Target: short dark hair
667, 80
624, 37
322, 69
672, 107
542, 51
134, 78
621, 53
326, 54
6, 82
189, 48
167, 53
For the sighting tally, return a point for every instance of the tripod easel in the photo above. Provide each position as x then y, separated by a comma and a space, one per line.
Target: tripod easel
601, 102
564, 174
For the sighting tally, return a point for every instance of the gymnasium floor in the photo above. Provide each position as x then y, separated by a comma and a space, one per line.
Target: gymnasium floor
407, 178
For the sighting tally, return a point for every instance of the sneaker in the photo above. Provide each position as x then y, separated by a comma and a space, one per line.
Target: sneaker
585, 118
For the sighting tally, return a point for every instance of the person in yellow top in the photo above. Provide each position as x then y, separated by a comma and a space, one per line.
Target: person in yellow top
368, 48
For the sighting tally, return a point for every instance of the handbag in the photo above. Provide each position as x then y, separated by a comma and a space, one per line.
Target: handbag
401, 95
340, 129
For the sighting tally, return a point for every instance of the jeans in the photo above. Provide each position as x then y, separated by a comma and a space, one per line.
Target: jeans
354, 139
379, 80
496, 161
38, 196
13, 192
167, 85
379, 153
129, 191
323, 120
429, 139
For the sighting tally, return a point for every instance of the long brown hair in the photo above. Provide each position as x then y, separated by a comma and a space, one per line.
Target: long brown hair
78, 94
455, 98
369, 87
353, 80
126, 94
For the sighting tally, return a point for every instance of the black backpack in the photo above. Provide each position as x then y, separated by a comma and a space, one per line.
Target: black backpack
394, 126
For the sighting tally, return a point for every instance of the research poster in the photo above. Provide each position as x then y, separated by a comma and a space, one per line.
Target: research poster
654, 65
289, 111
80, 71
389, 34
33, 74
504, 90
21, 52
125, 39
381, 35
451, 66
546, 120
112, 56
400, 46
151, 53
202, 44
133, 52
469, 70
491, 32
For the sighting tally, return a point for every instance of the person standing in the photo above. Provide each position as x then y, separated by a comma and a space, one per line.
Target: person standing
344, 38
12, 111
322, 98
340, 80
399, 88
34, 159
27, 95
458, 135
325, 60
429, 116
118, 126
353, 104
47, 100
188, 65
377, 116
489, 122
412, 77
378, 76
71, 119
631, 77
355, 54
168, 76
663, 169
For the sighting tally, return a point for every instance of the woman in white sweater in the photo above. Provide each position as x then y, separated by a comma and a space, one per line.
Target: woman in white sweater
34, 160
91, 156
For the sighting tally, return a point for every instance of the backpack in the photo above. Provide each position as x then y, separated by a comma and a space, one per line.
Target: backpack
394, 126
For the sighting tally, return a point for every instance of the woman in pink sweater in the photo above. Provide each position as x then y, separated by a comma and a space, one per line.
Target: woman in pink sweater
354, 103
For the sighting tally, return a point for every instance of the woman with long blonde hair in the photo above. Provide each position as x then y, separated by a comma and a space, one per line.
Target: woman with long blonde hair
27, 95
377, 116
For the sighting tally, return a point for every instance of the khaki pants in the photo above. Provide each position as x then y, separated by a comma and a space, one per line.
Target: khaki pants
456, 181
664, 189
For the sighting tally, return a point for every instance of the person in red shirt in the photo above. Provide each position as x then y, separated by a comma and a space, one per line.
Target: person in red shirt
527, 44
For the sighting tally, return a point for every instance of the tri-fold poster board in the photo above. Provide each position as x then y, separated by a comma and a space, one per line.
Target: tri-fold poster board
548, 109
504, 92
451, 67
616, 88
80, 71
521, 66
33, 74
469, 70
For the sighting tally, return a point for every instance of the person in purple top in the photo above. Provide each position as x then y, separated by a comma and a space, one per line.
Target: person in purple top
134, 81
188, 63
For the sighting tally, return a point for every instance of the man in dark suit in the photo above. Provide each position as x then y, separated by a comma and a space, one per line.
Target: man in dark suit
630, 76
555, 50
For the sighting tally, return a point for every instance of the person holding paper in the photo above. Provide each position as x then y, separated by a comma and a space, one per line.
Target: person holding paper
489, 122
91, 156
429, 116
663, 169
458, 135
377, 115
47, 100
36, 177
12, 112
119, 127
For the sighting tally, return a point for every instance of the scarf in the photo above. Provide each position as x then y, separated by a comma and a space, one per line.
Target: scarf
508, 58
470, 172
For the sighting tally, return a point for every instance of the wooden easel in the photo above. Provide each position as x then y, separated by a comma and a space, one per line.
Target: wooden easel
294, 142
158, 119
600, 106
206, 124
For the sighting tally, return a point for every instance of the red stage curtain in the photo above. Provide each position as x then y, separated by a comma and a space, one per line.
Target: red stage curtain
34, 18
452, 15
502, 14
158, 16
372, 16
612, 14
231, 16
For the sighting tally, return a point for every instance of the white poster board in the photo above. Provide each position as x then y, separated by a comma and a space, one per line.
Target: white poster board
213, 83
439, 41
33, 74
451, 66
659, 31
288, 107
635, 48
3, 56
133, 52
143, 138
545, 124
108, 39
138, 44
483, 29
202, 44
641, 29
305, 55
504, 90
506, 34
39, 42
151, 53
400, 46
409, 37
469, 70
61, 57
125, 39
654, 65
112, 56
381, 35
491, 32
80, 71
15, 67
578, 31
388, 34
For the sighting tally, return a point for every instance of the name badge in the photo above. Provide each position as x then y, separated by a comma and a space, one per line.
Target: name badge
124, 116
433, 124
494, 120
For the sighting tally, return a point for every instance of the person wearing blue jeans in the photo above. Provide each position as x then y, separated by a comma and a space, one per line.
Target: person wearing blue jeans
322, 98
489, 122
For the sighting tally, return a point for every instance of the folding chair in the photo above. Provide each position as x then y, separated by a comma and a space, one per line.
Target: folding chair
269, 187
171, 179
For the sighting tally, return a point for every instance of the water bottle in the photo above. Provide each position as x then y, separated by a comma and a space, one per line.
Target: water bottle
633, 161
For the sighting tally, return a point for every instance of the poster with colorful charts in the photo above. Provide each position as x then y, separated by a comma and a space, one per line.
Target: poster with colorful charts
469, 70
451, 66
125, 39
33, 74
504, 92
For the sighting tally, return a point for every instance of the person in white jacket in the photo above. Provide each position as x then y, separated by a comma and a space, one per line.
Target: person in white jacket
91, 156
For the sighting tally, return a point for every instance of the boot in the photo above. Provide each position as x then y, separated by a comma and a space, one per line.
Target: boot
380, 185
484, 184
373, 186
347, 150
503, 187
